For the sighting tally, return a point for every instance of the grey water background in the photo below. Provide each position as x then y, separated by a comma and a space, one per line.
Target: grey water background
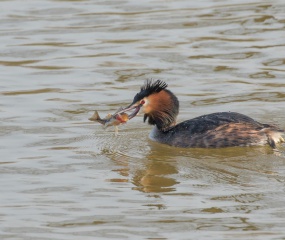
62, 177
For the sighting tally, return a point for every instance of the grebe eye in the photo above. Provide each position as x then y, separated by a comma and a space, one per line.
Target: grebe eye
142, 102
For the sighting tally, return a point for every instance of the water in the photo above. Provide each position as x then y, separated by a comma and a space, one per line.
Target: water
63, 177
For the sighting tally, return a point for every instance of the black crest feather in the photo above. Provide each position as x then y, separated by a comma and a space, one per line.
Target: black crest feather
149, 88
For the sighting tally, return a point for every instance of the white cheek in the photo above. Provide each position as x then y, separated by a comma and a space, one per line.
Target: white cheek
145, 107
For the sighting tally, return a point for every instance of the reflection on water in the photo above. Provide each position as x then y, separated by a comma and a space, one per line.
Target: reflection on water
64, 177
156, 177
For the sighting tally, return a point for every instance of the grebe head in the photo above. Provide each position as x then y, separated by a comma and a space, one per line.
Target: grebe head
159, 105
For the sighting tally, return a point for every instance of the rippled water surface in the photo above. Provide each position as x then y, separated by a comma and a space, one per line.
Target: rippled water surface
63, 177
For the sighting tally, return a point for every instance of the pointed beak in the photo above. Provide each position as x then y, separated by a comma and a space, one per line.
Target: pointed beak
135, 107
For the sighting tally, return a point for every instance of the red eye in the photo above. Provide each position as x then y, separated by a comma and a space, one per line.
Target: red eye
142, 102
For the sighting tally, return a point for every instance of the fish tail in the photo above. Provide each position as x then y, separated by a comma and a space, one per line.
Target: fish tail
96, 118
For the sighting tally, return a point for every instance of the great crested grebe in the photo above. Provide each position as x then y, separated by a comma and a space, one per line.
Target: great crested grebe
223, 129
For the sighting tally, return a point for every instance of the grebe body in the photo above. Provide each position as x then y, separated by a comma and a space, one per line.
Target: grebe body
223, 129
216, 130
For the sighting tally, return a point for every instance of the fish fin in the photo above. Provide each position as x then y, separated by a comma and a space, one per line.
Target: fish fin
120, 109
109, 116
94, 117
116, 130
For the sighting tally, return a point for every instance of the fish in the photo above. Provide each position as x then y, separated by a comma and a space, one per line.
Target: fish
110, 120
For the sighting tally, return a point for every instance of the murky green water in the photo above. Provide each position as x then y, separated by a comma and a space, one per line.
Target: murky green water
63, 177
